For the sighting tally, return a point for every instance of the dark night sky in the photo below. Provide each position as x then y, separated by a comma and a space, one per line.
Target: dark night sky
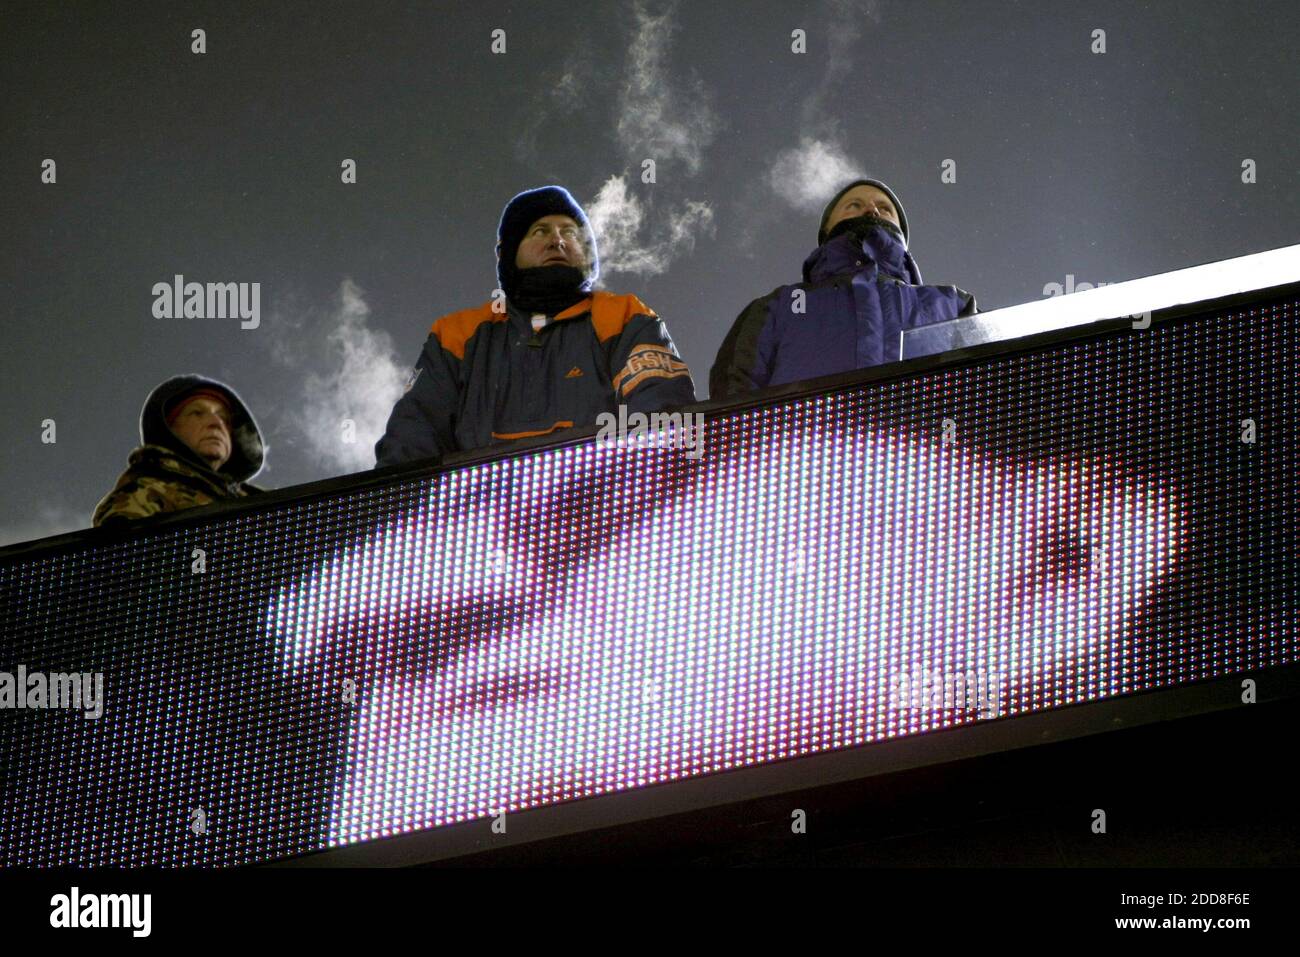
225, 167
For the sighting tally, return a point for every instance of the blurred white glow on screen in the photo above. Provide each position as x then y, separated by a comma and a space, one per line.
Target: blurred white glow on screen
701, 639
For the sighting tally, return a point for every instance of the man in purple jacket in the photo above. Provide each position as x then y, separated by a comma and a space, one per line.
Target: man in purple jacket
861, 289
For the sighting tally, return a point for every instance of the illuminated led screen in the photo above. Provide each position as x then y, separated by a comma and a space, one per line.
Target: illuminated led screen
1095, 517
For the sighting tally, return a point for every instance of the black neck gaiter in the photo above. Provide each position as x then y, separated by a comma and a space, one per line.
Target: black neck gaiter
861, 226
546, 289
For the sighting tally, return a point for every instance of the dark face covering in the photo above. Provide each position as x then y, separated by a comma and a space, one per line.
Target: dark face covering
860, 226
546, 289
851, 241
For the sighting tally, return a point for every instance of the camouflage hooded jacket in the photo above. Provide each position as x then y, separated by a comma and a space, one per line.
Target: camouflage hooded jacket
165, 475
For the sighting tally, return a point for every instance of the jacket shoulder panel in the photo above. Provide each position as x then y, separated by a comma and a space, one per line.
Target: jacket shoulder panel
610, 313
141, 496
455, 329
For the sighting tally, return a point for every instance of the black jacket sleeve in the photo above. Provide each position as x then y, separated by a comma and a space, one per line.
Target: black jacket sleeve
647, 371
736, 370
423, 422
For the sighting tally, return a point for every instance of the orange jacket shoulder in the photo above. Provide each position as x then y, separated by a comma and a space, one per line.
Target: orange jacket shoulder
610, 312
457, 328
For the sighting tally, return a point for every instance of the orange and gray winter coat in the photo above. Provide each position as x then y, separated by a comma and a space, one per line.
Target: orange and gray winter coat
486, 376
164, 475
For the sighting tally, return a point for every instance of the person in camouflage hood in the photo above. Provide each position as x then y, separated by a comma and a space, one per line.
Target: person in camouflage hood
199, 445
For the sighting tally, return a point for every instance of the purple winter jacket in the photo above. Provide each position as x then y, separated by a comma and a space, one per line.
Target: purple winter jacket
858, 294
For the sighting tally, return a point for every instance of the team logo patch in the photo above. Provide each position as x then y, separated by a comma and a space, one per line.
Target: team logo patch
648, 362
573, 373
410, 379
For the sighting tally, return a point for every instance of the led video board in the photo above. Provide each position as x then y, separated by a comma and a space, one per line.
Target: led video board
1096, 515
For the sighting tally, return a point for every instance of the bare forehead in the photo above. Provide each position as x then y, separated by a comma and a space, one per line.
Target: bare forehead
864, 192
558, 219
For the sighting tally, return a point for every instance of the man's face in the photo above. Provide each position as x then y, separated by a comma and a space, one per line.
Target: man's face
204, 425
859, 201
552, 241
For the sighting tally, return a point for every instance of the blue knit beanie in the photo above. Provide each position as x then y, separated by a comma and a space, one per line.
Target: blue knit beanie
527, 208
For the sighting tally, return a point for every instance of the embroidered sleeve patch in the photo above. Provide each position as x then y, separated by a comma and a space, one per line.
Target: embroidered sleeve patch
648, 361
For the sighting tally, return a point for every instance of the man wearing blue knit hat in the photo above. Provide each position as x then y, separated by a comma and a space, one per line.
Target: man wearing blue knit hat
550, 353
